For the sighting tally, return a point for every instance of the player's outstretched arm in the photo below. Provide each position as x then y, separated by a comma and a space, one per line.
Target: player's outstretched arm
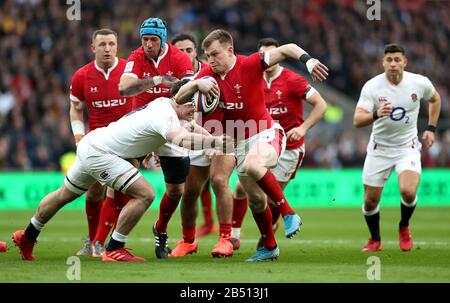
130, 86
77, 120
181, 137
434, 109
195, 128
316, 69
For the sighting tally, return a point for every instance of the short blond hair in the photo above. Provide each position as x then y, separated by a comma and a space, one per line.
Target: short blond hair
220, 35
103, 32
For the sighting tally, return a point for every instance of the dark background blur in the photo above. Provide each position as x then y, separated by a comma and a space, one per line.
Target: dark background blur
40, 49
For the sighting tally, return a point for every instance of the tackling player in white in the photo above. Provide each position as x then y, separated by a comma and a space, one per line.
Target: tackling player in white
101, 157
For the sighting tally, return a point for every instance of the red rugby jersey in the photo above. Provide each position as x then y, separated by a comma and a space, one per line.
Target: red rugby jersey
284, 94
99, 90
172, 62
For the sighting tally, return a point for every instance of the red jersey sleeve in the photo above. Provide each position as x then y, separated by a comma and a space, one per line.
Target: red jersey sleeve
133, 67
257, 62
299, 85
77, 86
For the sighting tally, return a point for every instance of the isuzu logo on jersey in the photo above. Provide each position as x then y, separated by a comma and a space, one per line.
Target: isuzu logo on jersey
229, 105
94, 89
169, 73
277, 110
109, 103
146, 75
158, 90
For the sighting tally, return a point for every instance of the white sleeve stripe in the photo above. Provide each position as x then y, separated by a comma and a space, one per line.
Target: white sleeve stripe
130, 74
74, 99
310, 92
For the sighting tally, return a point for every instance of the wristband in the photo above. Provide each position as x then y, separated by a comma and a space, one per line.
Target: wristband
157, 80
375, 115
304, 58
431, 128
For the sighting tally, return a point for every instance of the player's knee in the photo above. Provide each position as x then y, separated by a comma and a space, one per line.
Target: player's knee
370, 203
239, 192
252, 165
94, 196
219, 183
174, 193
257, 205
147, 196
408, 196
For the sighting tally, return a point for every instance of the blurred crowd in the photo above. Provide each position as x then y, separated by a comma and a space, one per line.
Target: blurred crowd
40, 49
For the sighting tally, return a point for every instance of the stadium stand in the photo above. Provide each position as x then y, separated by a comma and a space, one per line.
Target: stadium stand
40, 50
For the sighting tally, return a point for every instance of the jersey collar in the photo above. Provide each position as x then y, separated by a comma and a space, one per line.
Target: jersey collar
108, 72
165, 51
231, 67
270, 80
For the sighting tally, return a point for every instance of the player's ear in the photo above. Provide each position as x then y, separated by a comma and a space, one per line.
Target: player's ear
93, 48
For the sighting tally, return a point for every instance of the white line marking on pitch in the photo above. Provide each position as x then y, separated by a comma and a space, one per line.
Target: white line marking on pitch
296, 241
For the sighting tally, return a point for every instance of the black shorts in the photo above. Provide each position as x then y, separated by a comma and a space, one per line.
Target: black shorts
175, 169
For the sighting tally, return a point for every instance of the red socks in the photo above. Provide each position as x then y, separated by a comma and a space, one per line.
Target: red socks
264, 222
270, 186
207, 206
109, 215
239, 209
275, 213
189, 233
225, 230
93, 210
166, 210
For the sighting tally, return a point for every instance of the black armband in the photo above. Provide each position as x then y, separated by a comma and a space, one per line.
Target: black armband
304, 58
431, 128
375, 115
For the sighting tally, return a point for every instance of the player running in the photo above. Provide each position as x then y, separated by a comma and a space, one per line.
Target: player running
260, 140
391, 101
284, 92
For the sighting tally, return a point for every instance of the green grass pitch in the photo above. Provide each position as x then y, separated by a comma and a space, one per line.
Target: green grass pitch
326, 250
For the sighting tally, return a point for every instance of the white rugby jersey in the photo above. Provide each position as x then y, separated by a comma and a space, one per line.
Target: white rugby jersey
139, 132
400, 127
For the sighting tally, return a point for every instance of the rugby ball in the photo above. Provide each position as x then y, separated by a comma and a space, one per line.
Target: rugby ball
201, 103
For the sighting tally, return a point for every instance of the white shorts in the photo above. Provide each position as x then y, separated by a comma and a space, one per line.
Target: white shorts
92, 164
199, 159
274, 136
171, 150
288, 163
380, 161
